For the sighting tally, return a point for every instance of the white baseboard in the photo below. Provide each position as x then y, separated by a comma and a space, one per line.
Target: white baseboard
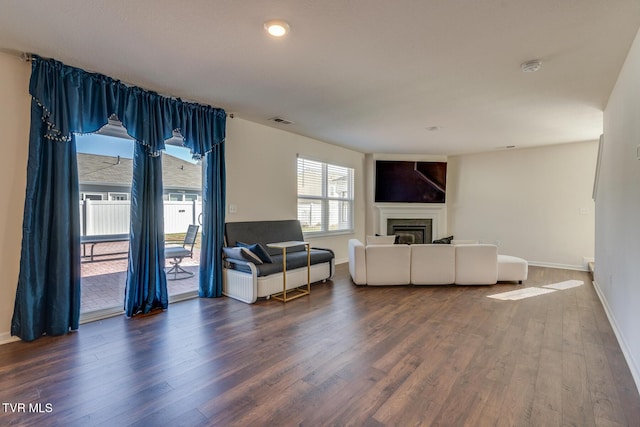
561, 266
5, 338
342, 261
633, 366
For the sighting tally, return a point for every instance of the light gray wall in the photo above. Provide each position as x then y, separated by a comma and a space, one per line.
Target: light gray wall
617, 272
535, 203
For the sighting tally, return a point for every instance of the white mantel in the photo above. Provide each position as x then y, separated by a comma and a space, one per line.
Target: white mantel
435, 211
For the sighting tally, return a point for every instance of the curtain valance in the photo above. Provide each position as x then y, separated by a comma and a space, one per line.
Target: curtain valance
67, 100
75, 100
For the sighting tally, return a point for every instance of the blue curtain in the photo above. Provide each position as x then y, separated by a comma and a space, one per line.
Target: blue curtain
146, 279
48, 294
213, 192
67, 100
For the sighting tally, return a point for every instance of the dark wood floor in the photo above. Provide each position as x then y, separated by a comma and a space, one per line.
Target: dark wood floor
345, 355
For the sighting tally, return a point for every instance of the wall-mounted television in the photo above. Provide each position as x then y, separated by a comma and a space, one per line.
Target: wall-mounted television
410, 182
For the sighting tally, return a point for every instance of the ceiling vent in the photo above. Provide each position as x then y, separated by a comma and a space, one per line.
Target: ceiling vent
281, 120
531, 66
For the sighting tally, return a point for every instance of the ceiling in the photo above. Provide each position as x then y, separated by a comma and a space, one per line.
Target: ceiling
371, 75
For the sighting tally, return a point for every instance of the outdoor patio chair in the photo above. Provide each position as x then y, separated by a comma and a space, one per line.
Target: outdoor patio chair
179, 252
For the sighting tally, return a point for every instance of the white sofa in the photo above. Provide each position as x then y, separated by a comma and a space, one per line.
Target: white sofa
432, 264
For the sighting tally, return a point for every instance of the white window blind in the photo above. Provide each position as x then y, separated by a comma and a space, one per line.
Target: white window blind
325, 197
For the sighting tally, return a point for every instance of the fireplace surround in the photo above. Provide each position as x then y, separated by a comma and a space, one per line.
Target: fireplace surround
412, 214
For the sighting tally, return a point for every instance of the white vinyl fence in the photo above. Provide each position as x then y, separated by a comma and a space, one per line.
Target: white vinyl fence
113, 216
178, 216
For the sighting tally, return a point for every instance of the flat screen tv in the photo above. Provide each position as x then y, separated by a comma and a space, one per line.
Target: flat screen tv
410, 182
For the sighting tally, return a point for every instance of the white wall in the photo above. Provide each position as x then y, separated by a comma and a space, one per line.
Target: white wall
262, 180
535, 203
617, 276
14, 122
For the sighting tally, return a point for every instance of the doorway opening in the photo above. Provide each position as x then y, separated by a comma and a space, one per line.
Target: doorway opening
105, 168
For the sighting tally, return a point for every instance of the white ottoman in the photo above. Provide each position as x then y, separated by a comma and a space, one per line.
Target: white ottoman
512, 269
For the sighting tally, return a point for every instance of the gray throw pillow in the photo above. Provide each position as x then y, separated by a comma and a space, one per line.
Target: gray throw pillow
257, 249
444, 240
242, 254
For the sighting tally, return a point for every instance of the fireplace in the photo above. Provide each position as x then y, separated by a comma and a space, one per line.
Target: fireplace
432, 213
410, 231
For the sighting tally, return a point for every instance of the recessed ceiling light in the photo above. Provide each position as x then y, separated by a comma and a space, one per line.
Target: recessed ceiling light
277, 27
531, 66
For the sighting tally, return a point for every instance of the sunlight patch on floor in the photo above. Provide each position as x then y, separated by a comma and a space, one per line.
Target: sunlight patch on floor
534, 291
520, 294
565, 285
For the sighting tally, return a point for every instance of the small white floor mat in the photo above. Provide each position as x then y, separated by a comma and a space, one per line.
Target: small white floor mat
520, 294
565, 285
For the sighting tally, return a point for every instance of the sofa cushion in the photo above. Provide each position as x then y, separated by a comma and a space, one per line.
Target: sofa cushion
476, 264
381, 240
294, 260
357, 262
464, 242
433, 264
257, 249
240, 253
388, 264
396, 241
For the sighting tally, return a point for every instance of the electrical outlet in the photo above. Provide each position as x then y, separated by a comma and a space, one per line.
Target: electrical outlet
233, 208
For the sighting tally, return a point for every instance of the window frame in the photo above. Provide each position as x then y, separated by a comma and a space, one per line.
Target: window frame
91, 196
113, 196
325, 199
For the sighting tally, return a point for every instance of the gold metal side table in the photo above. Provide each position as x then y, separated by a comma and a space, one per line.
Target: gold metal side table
300, 291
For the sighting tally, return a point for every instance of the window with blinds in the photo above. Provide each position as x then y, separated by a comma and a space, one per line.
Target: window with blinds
325, 197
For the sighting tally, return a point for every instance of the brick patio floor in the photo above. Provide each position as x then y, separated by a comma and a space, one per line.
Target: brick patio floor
103, 280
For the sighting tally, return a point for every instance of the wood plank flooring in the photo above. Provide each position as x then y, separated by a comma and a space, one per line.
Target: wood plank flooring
345, 355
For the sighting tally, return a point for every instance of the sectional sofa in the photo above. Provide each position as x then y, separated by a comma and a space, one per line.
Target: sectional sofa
432, 264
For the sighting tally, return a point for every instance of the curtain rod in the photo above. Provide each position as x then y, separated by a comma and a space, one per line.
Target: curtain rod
23, 56
28, 57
